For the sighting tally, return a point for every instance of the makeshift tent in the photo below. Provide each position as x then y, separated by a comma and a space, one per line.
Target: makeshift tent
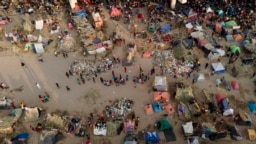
235, 85
156, 107
21, 136
148, 109
163, 124
8, 121
169, 135
220, 13
50, 137
248, 33
187, 11
245, 42
237, 37
230, 23
218, 28
129, 126
202, 41
55, 121
252, 106
251, 134
228, 112
160, 83
151, 137
188, 128
146, 54
229, 38
188, 43
218, 68
235, 49
219, 98
100, 128
197, 34
251, 48
193, 140
184, 93
200, 77
72, 3
158, 96
115, 12
139, 16
215, 54
165, 28
31, 114
38, 48
169, 109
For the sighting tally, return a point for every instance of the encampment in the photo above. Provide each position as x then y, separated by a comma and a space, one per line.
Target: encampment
165, 28
235, 85
252, 106
158, 96
156, 107
152, 137
160, 83
235, 49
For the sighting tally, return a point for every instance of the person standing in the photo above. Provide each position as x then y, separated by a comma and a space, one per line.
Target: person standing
56, 53
78, 81
57, 85
206, 65
125, 69
23, 64
68, 89
101, 80
67, 74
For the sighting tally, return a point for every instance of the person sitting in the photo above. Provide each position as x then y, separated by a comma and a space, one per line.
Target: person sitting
42, 99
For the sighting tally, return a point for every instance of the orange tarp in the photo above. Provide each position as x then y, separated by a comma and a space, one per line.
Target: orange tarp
169, 109
146, 54
77, 8
148, 109
237, 37
161, 96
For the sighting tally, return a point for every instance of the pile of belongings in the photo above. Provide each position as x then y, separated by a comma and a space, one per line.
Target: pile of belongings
170, 64
119, 108
86, 67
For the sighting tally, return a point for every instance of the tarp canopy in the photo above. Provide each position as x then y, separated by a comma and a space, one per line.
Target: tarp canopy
31, 114
230, 23
7, 121
187, 11
252, 106
200, 77
237, 37
169, 109
148, 109
235, 49
220, 13
38, 48
229, 38
146, 54
156, 107
188, 42
219, 98
50, 137
228, 112
169, 135
163, 124
209, 10
197, 34
152, 137
160, 83
165, 28
235, 85
245, 42
158, 96
250, 48
218, 68
115, 12
188, 128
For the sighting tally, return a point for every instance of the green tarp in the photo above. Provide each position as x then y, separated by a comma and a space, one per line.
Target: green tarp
163, 124
230, 23
235, 49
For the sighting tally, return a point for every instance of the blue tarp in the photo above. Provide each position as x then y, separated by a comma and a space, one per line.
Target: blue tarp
165, 28
187, 11
245, 42
252, 106
218, 68
151, 137
159, 8
81, 14
188, 42
156, 107
225, 104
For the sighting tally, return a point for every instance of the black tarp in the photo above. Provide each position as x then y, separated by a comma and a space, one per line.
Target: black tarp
169, 135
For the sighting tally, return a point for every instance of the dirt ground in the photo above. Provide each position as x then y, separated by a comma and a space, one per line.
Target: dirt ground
73, 101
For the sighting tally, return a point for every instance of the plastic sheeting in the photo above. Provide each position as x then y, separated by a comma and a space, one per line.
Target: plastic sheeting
188, 128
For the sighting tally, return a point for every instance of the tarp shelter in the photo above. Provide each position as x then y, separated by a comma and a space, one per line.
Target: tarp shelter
193, 140
220, 13
218, 28
219, 98
248, 33
188, 43
183, 1
235, 85
228, 112
245, 42
235, 49
115, 12
169, 135
237, 37
38, 48
218, 68
200, 77
251, 134
184, 93
163, 124
187, 11
8, 121
50, 137
229, 38
159, 96
197, 34
215, 54
100, 50
160, 83
188, 128
148, 109
230, 23
146, 54
31, 114
72, 3
252, 106
129, 126
39, 24
169, 109
165, 28
250, 48
156, 107
151, 137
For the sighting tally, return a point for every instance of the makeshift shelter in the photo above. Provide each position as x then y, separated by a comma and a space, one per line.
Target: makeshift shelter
8, 121
252, 106
50, 137
129, 126
55, 121
200, 77
237, 37
156, 107
220, 13
165, 28
151, 137
98, 22
219, 98
100, 128
146, 54
161, 96
229, 38
31, 114
184, 93
230, 23
115, 12
169, 109
215, 54
163, 124
188, 43
218, 68
160, 83
188, 128
197, 34
250, 47
251, 134
193, 140
148, 109
235, 85
38, 48
235, 49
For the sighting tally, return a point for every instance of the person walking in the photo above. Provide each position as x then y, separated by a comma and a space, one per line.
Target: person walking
67, 74
70, 72
56, 53
113, 73
125, 69
68, 89
101, 80
23, 64
93, 79
206, 65
57, 85
78, 81
83, 80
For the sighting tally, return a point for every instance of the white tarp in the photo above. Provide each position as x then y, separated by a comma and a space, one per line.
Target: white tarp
200, 77
39, 24
72, 3
100, 131
188, 128
208, 46
197, 34
39, 48
100, 50
228, 112
215, 54
183, 1
189, 26
160, 83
